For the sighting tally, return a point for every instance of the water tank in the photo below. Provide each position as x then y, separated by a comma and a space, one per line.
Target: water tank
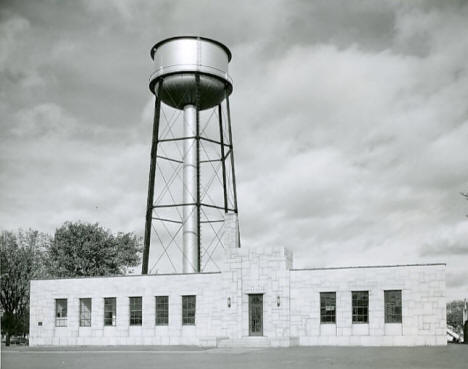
178, 59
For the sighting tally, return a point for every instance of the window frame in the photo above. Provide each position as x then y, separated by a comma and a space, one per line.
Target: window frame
161, 310
85, 316
134, 309
61, 321
396, 317
189, 309
358, 309
323, 307
113, 310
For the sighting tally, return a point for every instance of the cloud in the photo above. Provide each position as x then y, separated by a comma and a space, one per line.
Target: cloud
42, 120
10, 29
63, 171
458, 279
376, 139
13, 28
450, 241
350, 120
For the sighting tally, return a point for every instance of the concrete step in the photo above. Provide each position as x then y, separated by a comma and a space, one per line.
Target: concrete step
245, 342
210, 341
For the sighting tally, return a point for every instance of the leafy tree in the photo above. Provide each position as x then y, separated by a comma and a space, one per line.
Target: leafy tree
84, 249
22, 259
455, 314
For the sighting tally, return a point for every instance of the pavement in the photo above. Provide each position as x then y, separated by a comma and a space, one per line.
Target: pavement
167, 357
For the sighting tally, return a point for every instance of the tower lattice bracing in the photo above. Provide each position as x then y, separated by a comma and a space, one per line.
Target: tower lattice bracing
192, 182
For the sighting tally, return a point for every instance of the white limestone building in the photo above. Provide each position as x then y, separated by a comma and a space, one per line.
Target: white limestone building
258, 299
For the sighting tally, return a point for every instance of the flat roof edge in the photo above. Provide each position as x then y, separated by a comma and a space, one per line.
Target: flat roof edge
369, 266
123, 276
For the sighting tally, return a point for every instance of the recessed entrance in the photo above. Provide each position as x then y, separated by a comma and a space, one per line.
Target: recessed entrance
256, 315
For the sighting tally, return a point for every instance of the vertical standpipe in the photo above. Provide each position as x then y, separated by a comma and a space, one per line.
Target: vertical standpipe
190, 184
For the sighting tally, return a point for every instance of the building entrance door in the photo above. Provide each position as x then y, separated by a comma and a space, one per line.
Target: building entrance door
255, 315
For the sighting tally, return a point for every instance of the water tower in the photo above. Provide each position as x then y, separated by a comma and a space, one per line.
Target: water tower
192, 182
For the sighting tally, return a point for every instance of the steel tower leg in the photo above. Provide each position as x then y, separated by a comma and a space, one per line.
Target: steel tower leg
149, 203
190, 184
234, 187
232, 153
223, 159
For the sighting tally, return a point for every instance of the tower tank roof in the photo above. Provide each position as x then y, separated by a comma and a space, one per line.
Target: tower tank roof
158, 44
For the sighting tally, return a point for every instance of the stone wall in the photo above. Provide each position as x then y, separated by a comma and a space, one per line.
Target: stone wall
423, 305
291, 305
206, 286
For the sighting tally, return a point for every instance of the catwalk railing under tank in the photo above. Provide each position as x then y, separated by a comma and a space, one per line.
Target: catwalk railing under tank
190, 76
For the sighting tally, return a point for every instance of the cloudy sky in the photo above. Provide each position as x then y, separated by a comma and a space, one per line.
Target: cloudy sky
350, 121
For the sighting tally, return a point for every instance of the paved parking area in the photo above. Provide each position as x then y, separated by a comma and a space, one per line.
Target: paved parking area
452, 356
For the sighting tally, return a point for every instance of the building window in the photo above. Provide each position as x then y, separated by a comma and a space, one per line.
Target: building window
162, 310
110, 311
135, 311
61, 312
327, 307
188, 310
85, 312
360, 306
392, 306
